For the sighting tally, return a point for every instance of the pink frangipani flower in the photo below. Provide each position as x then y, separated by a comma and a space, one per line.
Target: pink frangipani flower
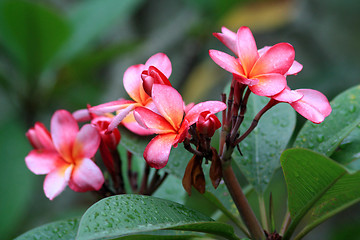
264, 71
157, 66
313, 105
65, 155
171, 124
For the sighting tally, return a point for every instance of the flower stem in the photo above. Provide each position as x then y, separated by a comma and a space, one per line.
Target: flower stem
241, 203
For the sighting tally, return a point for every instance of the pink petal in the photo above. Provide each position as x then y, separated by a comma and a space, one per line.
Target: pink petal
269, 84
312, 102
288, 95
133, 83
110, 106
295, 68
152, 121
246, 48
263, 50
64, 129
278, 59
211, 106
227, 62
86, 143
82, 115
130, 123
169, 103
40, 137
228, 38
86, 176
120, 116
43, 161
158, 150
161, 62
56, 181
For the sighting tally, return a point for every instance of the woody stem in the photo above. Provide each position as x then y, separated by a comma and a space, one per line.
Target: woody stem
241, 202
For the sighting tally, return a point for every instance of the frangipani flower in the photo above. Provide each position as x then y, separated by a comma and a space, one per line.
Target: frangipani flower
313, 105
263, 71
65, 155
157, 66
171, 124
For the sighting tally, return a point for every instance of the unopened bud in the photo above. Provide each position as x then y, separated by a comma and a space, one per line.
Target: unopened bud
207, 123
151, 76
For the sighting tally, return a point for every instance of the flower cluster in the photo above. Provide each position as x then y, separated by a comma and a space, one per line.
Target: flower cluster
66, 154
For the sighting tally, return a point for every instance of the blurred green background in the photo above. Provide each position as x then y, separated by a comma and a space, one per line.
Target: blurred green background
64, 54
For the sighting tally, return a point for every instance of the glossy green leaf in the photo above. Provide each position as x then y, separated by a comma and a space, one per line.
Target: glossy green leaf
317, 184
161, 237
91, 19
31, 33
327, 136
348, 152
16, 181
60, 230
262, 148
128, 214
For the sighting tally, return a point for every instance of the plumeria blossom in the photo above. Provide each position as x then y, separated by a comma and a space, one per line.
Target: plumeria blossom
65, 155
172, 122
264, 71
157, 69
313, 105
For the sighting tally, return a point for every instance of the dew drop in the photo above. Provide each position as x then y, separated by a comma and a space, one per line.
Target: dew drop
352, 108
275, 121
320, 138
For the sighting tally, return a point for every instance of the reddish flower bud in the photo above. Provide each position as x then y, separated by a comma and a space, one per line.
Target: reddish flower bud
207, 123
111, 140
151, 76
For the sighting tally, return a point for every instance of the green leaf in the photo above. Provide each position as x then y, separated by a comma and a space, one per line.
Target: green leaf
348, 152
327, 136
91, 19
263, 147
132, 142
317, 184
161, 237
127, 214
16, 181
60, 230
31, 33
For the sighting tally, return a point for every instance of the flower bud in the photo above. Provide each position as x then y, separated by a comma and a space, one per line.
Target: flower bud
111, 140
151, 76
207, 123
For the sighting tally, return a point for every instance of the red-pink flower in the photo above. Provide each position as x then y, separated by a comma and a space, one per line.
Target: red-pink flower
65, 155
171, 124
264, 71
207, 123
313, 105
109, 141
157, 65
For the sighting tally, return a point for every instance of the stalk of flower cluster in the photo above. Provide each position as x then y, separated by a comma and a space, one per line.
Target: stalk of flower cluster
241, 202
228, 135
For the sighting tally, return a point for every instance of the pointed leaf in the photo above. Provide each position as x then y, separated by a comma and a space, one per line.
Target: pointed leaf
262, 148
60, 230
127, 214
327, 136
317, 184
